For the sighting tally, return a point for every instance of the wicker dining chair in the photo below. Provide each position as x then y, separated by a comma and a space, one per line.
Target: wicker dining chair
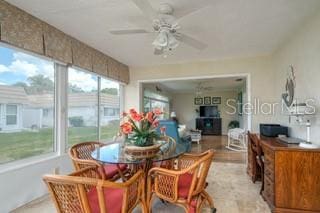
81, 158
258, 159
85, 192
185, 185
169, 148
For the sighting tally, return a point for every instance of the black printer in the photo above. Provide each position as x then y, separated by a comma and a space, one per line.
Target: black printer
273, 130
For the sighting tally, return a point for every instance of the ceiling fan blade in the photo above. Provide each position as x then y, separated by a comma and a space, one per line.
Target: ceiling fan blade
194, 8
157, 51
127, 32
191, 41
146, 8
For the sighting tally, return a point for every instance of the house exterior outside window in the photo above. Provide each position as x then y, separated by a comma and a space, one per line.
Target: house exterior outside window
110, 111
26, 91
11, 114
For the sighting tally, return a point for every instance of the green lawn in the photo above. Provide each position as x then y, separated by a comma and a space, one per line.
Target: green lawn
19, 145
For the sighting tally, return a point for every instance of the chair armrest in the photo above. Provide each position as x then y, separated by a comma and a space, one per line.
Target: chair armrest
187, 159
89, 172
165, 184
194, 155
133, 190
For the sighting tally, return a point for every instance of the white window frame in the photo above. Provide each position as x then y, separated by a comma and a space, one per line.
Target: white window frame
60, 127
6, 112
20, 163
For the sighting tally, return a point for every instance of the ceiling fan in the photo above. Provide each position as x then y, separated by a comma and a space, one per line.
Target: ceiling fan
165, 25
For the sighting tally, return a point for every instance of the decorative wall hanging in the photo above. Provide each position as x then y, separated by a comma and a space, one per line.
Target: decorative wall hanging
288, 96
198, 101
207, 100
216, 100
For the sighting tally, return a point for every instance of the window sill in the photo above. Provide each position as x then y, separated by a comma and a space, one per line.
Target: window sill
19, 164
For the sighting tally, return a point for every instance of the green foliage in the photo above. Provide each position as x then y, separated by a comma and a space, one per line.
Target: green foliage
20, 84
76, 121
110, 91
18, 145
233, 124
38, 84
74, 89
143, 136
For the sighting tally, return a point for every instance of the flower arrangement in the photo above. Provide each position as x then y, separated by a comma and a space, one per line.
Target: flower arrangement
141, 127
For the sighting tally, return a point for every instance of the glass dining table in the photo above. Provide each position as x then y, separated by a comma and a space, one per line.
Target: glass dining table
114, 153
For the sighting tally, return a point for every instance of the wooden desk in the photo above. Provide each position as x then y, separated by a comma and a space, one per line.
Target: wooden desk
291, 176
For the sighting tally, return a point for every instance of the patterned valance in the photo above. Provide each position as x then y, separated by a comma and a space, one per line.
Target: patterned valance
100, 63
57, 44
23, 30
81, 55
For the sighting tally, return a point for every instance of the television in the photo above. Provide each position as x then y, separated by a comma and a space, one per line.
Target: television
209, 111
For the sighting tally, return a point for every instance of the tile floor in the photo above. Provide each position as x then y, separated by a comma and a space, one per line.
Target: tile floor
229, 185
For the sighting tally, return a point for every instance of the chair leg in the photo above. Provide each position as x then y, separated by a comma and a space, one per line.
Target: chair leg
149, 203
144, 207
262, 179
209, 199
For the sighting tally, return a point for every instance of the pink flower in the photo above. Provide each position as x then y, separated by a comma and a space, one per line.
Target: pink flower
137, 117
155, 123
149, 117
132, 112
126, 128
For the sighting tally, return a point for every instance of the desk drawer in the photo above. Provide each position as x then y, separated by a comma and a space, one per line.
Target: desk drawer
268, 153
269, 173
268, 159
269, 163
268, 191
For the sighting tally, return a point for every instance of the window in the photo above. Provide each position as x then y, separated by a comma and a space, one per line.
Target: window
45, 112
11, 114
27, 105
110, 107
156, 101
26, 87
82, 106
110, 112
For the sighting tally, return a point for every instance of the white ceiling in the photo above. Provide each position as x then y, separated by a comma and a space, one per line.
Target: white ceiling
231, 28
207, 85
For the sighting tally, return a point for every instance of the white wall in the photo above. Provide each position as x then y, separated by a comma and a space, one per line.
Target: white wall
32, 117
267, 75
23, 184
260, 70
303, 52
183, 105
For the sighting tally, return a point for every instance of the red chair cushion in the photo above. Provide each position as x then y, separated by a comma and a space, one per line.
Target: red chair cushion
112, 170
184, 185
113, 200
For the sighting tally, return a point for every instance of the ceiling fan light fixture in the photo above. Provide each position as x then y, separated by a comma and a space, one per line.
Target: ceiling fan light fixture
161, 40
172, 41
166, 25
